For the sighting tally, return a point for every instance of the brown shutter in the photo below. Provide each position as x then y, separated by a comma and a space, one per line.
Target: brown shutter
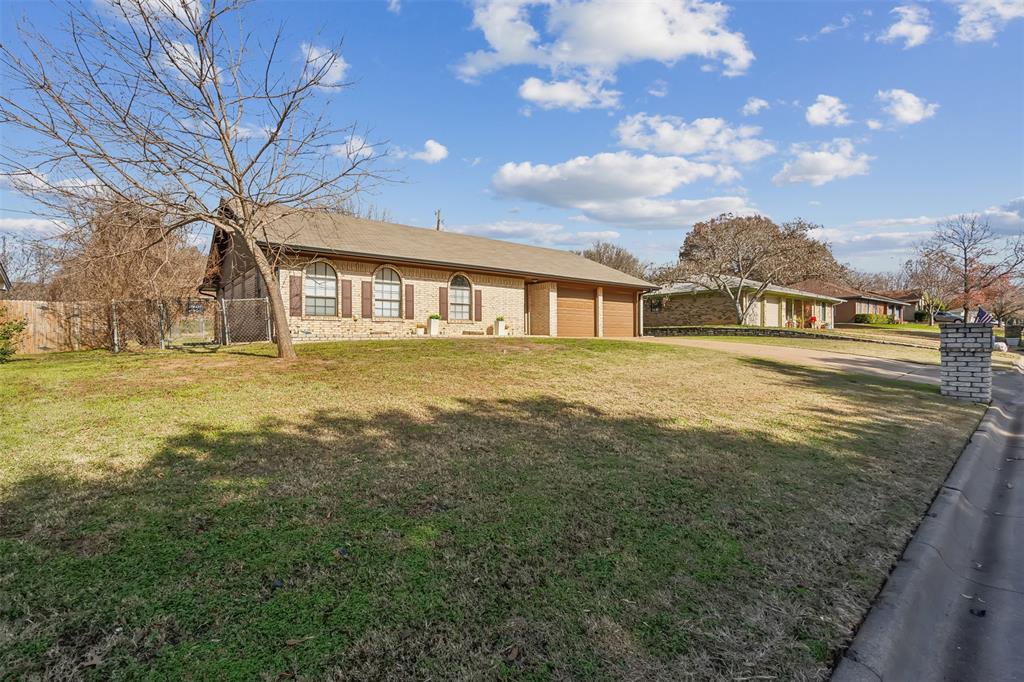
442, 302
478, 305
410, 306
346, 298
367, 296
295, 295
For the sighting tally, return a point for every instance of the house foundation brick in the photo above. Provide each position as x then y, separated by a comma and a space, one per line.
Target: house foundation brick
966, 361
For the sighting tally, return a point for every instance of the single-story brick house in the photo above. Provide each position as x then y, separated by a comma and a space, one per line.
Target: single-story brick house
345, 277
686, 303
857, 302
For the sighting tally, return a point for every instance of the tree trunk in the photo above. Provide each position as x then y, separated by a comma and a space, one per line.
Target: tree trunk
285, 349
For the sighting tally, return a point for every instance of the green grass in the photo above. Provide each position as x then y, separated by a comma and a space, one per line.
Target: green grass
469, 509
926, 356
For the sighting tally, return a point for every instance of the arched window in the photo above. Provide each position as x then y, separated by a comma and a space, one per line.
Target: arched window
321, 289
459, 298
387, 293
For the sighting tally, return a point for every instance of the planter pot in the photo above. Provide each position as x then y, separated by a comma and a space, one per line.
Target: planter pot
434, 327
499, 328
1012, 342
420, 331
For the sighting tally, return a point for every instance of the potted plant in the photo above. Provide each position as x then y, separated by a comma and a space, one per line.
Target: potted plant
434, 324
499, 325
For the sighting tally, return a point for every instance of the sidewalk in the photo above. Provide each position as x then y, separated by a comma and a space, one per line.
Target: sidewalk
953, 606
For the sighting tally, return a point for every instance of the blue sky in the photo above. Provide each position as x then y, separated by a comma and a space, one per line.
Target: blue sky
558, 123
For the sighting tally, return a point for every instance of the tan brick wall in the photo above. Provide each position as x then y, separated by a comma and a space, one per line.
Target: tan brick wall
500, 296
690, 309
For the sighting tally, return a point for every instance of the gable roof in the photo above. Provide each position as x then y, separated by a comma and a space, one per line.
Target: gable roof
5, 282
692, 287
905, 295
336, 233
841, 291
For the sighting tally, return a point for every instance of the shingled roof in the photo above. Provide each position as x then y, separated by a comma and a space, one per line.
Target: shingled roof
336, 233
820, 286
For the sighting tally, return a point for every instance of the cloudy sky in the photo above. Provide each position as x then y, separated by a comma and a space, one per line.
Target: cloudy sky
558, 122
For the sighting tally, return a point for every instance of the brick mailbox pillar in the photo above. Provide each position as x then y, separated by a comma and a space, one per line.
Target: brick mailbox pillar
966, 350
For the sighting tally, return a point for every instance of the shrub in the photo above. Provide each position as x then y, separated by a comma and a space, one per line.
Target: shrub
10, 331
873, 318
921, 316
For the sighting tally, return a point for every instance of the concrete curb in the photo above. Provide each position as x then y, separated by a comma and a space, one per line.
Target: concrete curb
954, 602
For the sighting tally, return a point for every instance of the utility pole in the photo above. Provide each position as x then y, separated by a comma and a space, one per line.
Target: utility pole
437, 218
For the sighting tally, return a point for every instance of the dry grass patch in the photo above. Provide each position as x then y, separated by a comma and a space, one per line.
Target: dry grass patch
452, 509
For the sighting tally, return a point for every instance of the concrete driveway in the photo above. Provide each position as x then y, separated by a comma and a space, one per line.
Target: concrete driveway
843, 362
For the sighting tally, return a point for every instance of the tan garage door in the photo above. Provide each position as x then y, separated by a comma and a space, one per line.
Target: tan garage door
576, 311
618, 312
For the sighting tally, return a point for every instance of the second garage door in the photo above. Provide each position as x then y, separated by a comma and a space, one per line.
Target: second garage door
576, 311
618, 312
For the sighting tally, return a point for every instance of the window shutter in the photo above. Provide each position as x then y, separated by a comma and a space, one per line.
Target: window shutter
410, 305
478, 305
295, 295
367, 296
346, 298
442, 302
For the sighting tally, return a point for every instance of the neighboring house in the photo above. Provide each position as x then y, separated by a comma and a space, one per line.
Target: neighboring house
684, 303
5, 282
911, 299
344, 277
856, 302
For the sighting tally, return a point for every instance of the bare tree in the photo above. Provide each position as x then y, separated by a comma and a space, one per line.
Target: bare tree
974, 256
741, 256
167, 105
1005, 300
617, 257
30, 263
933, 280
110, 256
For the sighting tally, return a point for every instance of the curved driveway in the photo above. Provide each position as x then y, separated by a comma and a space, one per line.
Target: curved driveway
843, 362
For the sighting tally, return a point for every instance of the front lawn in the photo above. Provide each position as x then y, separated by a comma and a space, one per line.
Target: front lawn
470, 509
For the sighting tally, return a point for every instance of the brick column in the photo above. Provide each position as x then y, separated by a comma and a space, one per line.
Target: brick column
966, 350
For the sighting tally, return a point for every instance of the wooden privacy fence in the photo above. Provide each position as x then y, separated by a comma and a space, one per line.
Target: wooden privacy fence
126, 325
55, 326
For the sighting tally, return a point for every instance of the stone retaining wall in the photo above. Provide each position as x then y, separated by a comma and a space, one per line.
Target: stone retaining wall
966, 350
769, 331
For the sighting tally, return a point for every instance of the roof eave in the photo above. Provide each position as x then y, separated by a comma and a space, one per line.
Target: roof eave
448, 264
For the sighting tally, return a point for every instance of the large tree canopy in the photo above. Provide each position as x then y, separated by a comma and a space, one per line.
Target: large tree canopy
738, 255
166, 104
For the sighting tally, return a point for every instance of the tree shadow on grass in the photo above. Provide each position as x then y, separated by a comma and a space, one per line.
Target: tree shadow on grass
486, 538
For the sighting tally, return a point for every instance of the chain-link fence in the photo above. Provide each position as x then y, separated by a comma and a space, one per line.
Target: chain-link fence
189, 322
130, 325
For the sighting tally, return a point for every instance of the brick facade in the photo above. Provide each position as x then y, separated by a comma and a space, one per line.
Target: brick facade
712, 308
966, 350
503, 296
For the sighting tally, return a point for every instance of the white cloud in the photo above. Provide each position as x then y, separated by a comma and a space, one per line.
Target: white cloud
587, 41
827, 110
395, 6
830, 161
845, 22
905, 107
42, 226
711, 139
433, 152
545, 234
355, 147
658, 88
617, 187
980, 20
913, 26
754, 106
319, 57
1005, 219
874, 124
572, 94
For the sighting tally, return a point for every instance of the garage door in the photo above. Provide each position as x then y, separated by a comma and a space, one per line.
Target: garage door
618, 313
576, 311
